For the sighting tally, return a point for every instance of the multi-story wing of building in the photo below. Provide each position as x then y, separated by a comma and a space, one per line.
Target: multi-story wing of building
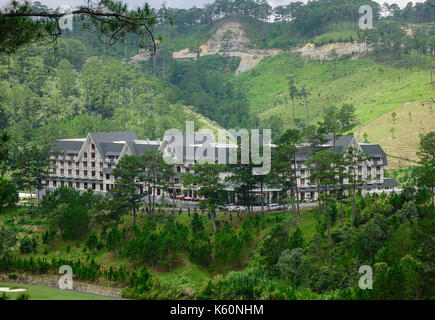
87, 163
370, 171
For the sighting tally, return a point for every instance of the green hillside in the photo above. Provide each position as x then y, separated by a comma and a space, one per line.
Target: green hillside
373, 88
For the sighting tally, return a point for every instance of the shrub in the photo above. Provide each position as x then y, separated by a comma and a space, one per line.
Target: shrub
26, 245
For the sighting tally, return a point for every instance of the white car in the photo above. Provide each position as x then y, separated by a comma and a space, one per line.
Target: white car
275, 206
240, 208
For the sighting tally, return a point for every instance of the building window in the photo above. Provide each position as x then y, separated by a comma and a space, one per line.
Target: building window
107, 187
77, 172
93, 173
93, 146
101, 165
85, 164
302, 172
77, 185
54, 183
109, 165
101, 186
93, 186
378, 177
85, 185
93, 155
85, 173
302, 181
70, 184
62, 171
359, 177
93, 164
101, 174
107, 176
85, 155
69, 172
178, 169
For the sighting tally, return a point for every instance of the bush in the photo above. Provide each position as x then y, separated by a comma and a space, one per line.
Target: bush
8, 193
26, 245
92, 241
200, 249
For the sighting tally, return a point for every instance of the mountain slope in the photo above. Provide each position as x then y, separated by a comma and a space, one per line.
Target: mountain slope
373, 88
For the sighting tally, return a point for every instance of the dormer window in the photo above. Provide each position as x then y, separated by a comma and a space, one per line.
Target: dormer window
93, 146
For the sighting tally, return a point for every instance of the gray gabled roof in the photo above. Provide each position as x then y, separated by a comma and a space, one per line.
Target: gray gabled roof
99, 137
110, 149
104, 137
68, 146
140, 148
375, 150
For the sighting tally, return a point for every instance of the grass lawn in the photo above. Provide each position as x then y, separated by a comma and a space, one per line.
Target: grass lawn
46, 293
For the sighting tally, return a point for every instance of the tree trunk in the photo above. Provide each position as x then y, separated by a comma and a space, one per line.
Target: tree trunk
37, 196
341, 213
262, 199
31, 198
213, 218
328, 224
306, 109
134, 216
173, 200
293, 101
353, 207
295, 183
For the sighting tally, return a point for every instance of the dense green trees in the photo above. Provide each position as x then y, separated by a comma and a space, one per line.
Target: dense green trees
427, 161
204, 84
69, 211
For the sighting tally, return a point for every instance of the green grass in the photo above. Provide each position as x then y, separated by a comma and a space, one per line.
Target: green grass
46, 293
374, 89
341, 36
413, 119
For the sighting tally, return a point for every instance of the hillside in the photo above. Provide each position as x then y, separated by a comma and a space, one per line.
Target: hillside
375, 89
413, 119
79, 93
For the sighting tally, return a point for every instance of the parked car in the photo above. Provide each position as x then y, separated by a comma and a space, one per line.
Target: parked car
240, 208
275, 206
224, 208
